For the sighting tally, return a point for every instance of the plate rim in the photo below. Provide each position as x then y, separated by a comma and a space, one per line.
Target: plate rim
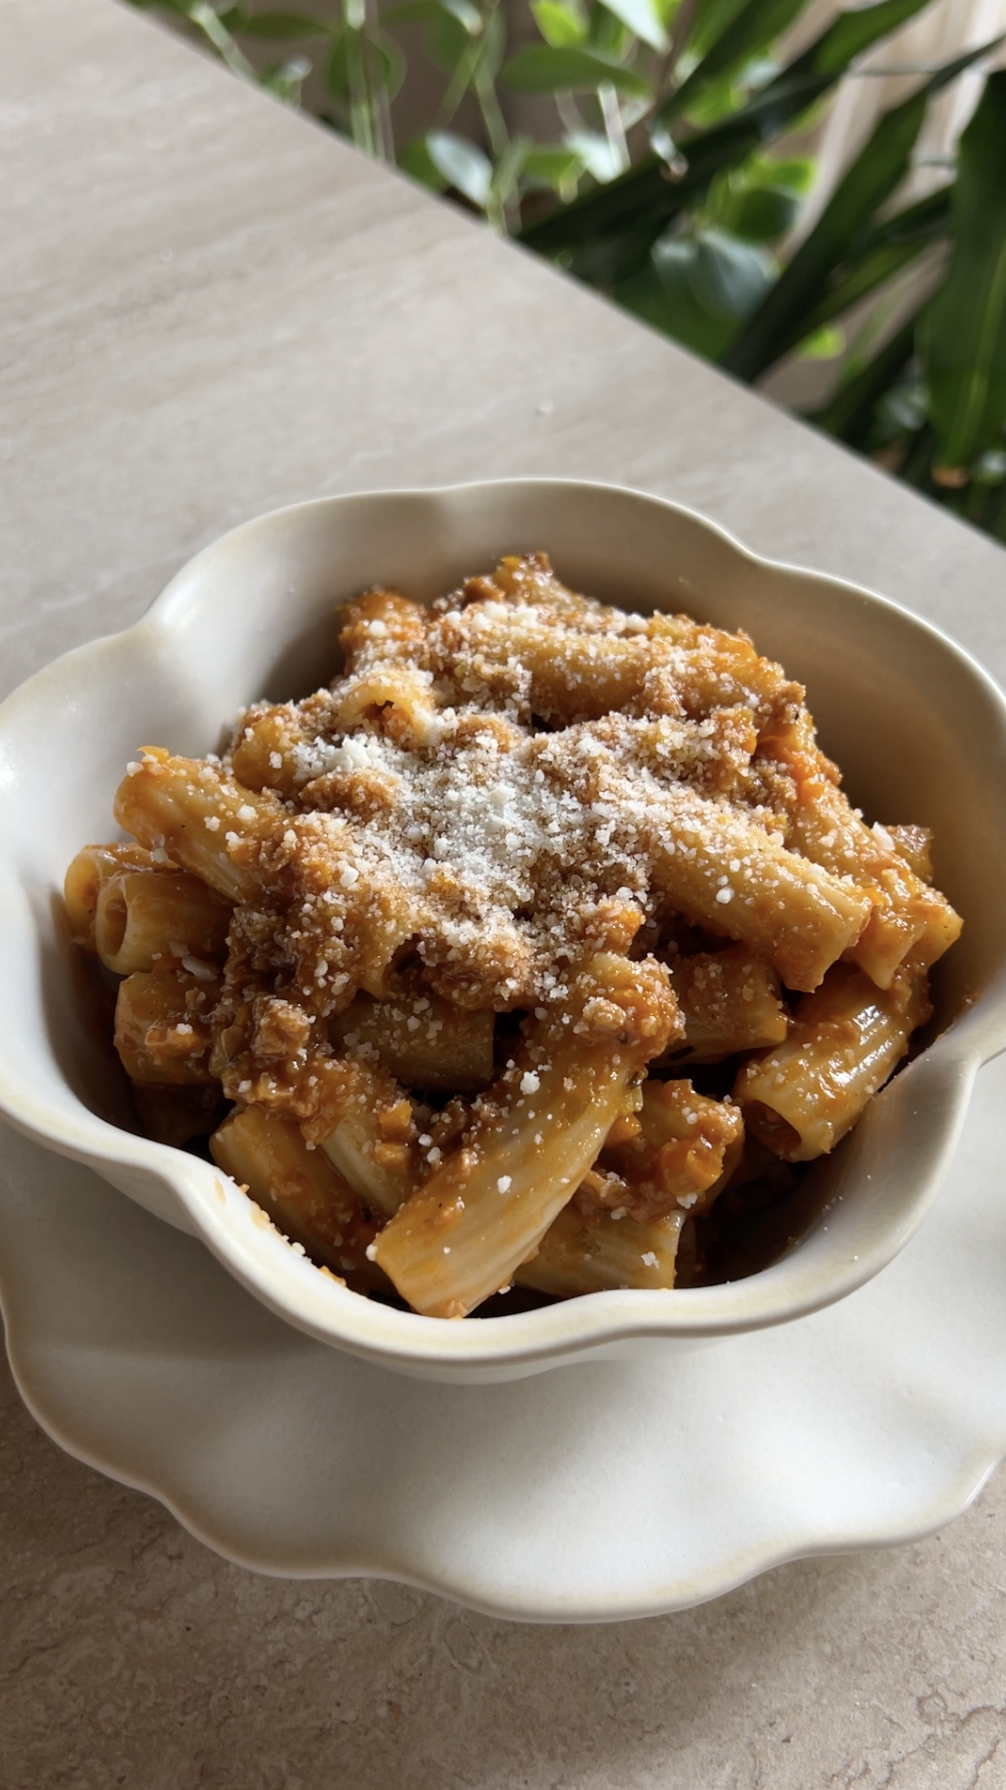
667, 1597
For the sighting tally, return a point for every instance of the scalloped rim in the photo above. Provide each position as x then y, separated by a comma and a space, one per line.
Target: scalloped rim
74, 1426
525, 1342
665, 1600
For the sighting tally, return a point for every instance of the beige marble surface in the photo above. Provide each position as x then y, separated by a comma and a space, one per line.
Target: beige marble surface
208, 308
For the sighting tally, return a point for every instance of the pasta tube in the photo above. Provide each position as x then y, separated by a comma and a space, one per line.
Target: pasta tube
208, 823
686, 1150
720, 869
914, 844
465, 1231
265, 751
907, 915
140, 918
846, 1038
424, 1042
306, 1198
595, 1254
395, 698
579, 661
373, 1146
385, 688
162, 1025
730, 1001
379, 624
87, 875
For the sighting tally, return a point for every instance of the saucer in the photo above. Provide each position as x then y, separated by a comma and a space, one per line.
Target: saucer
611, 1490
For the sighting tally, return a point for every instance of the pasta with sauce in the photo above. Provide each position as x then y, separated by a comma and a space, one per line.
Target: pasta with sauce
538, 938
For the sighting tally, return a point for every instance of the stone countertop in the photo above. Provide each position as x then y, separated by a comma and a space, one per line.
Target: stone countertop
211, 307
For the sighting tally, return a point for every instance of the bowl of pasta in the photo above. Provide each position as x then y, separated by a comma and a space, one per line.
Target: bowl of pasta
508, 924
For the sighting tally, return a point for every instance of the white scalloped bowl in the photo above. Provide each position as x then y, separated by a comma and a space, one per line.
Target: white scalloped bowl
918, 728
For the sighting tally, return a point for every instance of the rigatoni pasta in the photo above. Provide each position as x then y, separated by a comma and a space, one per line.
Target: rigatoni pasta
487, 1206
802, 1097
518, 954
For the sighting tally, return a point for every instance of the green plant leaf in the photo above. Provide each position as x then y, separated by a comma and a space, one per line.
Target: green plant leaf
430, 12
878, 169
714, 100
641, 202
759, 200
853, 32
662, 295
283, 27
642, 19
463, 165
751, 32
824, 343
885, 250
709, 23
552, 167
448, 42
606, 34
964, 339
925, 221
453, 28
794, 173
336, 73
847, 414
416, 161
856, 282
560, 26
729, 277
757, 213
543, 69
391, 61
598, 156
466, 14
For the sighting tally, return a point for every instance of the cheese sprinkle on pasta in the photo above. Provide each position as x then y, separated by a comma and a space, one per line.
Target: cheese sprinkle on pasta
520, 771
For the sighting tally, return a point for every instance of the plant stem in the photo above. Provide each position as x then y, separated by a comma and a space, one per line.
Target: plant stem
684, 19
380, 103
614, 128
570, 116
485, 92
459, 83
205, 20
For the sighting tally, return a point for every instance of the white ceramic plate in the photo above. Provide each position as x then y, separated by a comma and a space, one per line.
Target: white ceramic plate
616, 1489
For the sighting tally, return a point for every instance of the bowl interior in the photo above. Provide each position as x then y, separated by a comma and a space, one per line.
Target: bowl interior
918, 730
